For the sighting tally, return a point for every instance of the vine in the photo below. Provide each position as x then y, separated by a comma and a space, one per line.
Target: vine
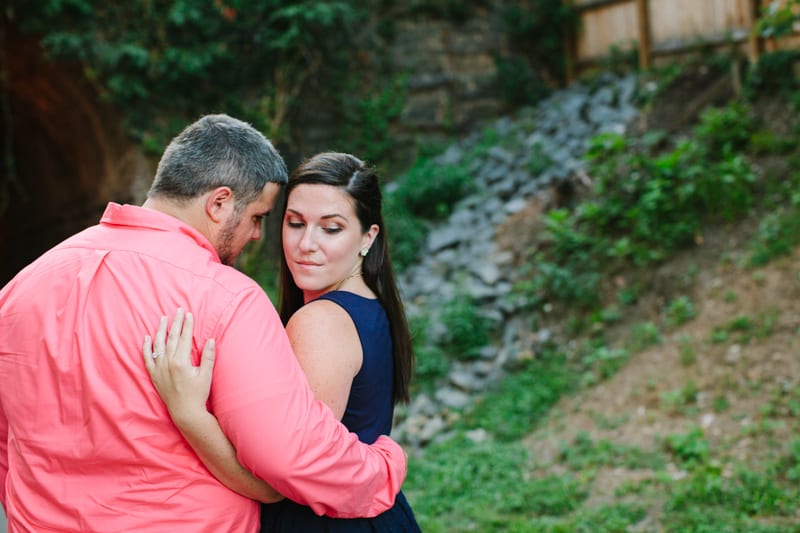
164, 62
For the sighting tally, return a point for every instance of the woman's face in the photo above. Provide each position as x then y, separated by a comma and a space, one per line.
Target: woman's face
322, 237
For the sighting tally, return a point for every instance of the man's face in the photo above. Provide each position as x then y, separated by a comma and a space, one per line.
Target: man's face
245, 224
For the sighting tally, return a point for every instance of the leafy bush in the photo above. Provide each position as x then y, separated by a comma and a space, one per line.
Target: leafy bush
519, 84
367, 117
429, 190
431, 363
466, 331
537, 30
725, 130
644, 204
166, 63
407, 233
426, 192
773, 72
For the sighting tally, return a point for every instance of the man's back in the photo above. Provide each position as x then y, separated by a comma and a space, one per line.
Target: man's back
90, 444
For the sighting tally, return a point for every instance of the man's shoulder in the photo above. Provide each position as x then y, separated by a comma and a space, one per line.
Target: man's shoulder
231, 279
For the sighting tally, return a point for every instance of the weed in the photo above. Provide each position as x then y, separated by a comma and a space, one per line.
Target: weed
778, 234
538, 160
644, 336
691, 448
466, 331
602, 362
687, 350
610, 422
680, 310
720, 404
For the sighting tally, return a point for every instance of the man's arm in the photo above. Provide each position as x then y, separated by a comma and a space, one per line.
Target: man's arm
184, 389
264, 404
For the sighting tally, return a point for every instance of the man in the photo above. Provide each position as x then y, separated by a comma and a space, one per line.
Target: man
85, 442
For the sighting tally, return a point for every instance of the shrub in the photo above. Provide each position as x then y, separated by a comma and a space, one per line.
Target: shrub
466, 331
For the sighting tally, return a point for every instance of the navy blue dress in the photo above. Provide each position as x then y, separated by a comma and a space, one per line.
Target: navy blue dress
368, 413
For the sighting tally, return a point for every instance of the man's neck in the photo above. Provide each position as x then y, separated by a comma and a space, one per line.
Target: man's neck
191, 213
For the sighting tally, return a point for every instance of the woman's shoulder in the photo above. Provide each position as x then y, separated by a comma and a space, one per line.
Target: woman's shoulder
321, 315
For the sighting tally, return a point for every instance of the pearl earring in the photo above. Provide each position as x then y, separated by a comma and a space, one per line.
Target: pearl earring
364, 251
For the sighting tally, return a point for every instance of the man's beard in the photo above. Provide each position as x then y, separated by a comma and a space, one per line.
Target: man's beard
226, 255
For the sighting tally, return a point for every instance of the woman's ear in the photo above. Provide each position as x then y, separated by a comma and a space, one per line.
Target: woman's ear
369, 236
219, 203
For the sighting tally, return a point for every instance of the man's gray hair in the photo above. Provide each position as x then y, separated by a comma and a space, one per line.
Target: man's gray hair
216, 151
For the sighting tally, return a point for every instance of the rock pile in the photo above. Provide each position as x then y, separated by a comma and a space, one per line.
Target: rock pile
461, 256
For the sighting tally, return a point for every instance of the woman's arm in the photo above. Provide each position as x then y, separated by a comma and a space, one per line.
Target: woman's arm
185, 389
328, 348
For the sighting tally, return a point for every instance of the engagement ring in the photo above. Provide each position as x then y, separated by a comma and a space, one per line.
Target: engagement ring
157, 354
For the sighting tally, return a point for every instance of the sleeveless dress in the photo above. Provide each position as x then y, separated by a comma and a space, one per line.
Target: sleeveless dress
369, 414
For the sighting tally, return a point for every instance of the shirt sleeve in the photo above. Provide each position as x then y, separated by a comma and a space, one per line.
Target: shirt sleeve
3, 456
281, 433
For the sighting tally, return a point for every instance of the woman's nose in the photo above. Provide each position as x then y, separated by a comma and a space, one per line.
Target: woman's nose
307, 241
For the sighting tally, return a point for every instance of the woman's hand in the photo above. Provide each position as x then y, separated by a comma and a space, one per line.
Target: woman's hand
183, 387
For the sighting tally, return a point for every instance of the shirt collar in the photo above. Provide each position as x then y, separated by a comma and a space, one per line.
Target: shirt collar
140, 217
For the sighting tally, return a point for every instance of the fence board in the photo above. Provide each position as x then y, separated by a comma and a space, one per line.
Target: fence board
675, 26
606, 27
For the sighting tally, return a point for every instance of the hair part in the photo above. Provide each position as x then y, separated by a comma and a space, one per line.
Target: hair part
216, 151
361, 184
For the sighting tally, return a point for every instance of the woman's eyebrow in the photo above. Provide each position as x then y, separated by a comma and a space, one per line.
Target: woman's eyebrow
323, 217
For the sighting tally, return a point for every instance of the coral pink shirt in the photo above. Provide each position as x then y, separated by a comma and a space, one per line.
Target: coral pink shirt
86, 444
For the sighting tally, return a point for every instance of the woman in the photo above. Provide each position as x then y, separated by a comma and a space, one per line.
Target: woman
343, 314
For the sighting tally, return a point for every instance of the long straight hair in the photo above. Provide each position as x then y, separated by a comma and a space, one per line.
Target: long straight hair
360, 182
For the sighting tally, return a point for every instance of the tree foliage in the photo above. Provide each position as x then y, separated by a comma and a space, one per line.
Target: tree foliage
165, 62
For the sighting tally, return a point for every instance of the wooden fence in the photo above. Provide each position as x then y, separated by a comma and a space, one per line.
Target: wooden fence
665, 27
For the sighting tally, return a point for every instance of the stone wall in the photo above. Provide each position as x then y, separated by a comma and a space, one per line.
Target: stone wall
452, 72
451, 82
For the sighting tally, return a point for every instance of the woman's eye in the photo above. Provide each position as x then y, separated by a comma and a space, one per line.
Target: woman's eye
333, 229
294, 224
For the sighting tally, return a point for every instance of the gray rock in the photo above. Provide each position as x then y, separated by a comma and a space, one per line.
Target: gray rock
432, 427
443, 238
465, 380
478, 435
487, 272
453, 398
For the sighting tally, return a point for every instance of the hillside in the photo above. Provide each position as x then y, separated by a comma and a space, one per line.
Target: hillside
731, 371
742, 389
684, 413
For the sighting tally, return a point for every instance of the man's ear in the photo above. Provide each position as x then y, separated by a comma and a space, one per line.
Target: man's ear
219, 203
